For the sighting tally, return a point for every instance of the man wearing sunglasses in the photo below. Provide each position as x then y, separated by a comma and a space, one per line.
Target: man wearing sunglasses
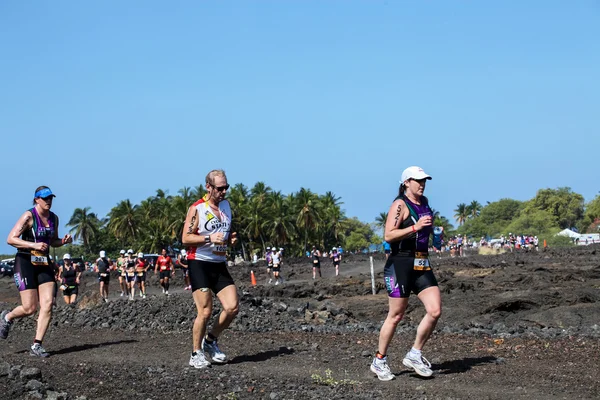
206, 233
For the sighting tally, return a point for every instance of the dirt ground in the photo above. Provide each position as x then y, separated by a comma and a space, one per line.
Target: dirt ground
516, 325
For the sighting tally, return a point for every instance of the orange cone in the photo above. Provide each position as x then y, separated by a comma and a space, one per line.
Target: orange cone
252, 278
545, 243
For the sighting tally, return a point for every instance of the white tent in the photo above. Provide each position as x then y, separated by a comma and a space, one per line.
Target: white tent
569, 233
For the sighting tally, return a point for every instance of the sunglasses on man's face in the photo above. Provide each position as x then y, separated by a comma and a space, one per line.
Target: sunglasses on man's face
221, 188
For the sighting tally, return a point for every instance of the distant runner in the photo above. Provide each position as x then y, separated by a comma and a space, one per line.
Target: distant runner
165, 265
141, 267
121, 266
336, 257
183, 264
103, 265
316, 261
130, 273
69, 276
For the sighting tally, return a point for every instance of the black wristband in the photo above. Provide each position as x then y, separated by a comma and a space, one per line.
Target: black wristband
207, 238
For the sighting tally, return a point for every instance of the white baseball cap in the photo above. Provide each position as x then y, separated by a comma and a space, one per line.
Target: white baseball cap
67, 256
130, 251
122, 252
183, 252
141, 255
268, 248
413, 173
102, 253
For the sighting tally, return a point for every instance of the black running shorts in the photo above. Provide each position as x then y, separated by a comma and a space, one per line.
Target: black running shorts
104, 277
165, 274
29, 276
140, 276
71, 290
209, 275
401, 278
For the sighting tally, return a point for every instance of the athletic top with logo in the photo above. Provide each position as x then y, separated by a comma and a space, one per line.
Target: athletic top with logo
164, 263
211, 221
419, 240
183, 262
39, 232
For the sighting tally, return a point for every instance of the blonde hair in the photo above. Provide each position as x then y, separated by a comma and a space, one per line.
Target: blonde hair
210, 177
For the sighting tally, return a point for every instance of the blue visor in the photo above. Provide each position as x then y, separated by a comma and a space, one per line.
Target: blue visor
44, 193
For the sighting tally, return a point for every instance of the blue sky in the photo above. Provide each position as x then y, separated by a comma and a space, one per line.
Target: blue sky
104, 101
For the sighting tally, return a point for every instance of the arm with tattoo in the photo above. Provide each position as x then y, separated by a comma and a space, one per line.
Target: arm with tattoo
24, 223
190, 236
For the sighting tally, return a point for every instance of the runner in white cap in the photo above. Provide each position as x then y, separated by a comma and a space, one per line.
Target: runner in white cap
103, 267
121, 267
183, 264
68, 277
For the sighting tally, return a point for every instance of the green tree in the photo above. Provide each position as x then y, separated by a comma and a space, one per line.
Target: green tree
565, 205
591, 217
533, 222
381, 220
308, 214
473, 209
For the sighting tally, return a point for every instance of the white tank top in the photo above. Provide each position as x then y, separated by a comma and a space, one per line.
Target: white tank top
208, 223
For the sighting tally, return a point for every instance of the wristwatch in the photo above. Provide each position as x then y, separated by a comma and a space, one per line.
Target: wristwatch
207, 239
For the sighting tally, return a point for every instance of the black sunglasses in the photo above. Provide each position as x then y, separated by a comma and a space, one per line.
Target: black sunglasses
221, 188
47, 199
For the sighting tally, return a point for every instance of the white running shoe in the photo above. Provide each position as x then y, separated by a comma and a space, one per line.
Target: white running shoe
380, 367
214, 352
276, 283
199, 361
122, 294
421, 366
166, 292
163, 290
38, 351
270, 280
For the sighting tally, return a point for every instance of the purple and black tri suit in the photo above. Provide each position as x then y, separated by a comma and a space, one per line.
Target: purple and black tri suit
408, 269
32, 267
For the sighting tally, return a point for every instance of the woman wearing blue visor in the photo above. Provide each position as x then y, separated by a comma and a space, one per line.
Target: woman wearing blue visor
33, 235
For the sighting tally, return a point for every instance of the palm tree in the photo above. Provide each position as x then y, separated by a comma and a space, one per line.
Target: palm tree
85, 226
381, 220
461, 213
308, 213
474, 209
279, 224
124, 221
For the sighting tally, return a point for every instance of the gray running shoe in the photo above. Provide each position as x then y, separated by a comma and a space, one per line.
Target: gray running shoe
199, 361
214, 352
4, 325
420, 365
380, 367
38, 351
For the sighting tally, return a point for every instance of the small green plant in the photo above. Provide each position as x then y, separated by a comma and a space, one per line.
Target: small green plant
329, 380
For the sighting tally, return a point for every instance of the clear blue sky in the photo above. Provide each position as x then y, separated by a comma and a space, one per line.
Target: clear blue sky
108, 100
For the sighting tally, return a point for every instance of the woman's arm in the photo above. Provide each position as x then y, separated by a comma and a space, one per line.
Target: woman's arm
56, 241
396, 215
14, 237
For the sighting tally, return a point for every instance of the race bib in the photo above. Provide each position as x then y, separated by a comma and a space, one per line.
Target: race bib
163, 268
38, 258
421, 262
140, 274
130, 274
315, 261
103, 275
219, 250
63, 287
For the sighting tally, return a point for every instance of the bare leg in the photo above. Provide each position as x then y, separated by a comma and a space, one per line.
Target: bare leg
29, 302
46, 296
228, 297
432, 300
397, 307
203, 301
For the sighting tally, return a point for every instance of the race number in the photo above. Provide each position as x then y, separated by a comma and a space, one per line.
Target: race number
421, 262
220, 250
38, 258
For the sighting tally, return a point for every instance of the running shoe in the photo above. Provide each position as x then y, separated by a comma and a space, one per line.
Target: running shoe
144, 296
213, 351
419, 364
166, 292
163, 290
276, 283
380, 368
4, 325
199, 361
122, 294
38, 351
